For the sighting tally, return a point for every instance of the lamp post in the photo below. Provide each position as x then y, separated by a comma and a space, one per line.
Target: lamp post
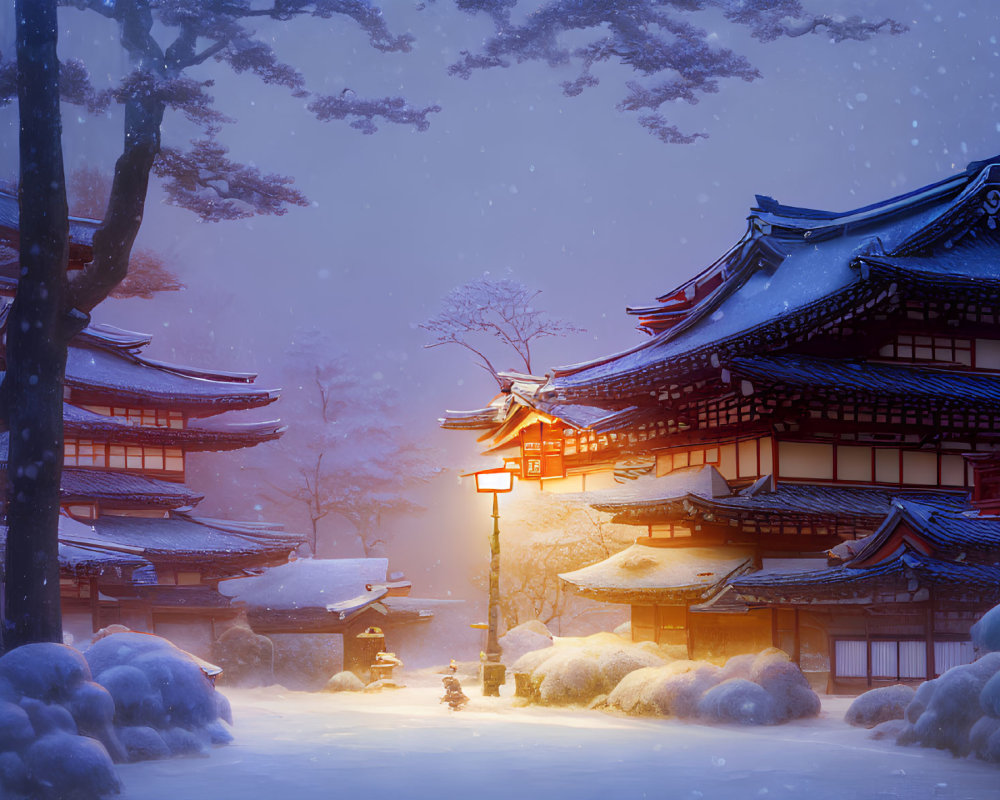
494, 481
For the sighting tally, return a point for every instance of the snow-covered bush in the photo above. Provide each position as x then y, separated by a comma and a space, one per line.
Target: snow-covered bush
524, 638
48, 700
577, 670
673, 690
879, 705
246, 658
345, 681
60, 729
945, 712
986, 632
762, 689
156, 688
738, 700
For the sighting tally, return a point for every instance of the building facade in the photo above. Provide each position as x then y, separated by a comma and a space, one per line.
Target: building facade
833, 378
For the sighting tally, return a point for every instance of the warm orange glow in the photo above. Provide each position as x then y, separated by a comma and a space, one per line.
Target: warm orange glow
494, 480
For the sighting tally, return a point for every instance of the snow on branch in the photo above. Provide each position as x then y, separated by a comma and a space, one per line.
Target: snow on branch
181, 94
363, 111
653, 39
203, 180
252, 55
503, 311
74, 85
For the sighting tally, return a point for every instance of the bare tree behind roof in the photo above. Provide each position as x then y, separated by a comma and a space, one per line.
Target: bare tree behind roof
480, 313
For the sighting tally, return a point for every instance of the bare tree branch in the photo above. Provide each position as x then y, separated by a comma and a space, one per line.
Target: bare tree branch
494, 311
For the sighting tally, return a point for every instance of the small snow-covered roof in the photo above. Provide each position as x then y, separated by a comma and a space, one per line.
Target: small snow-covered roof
178, 538
704, 481
339, 585
643, 574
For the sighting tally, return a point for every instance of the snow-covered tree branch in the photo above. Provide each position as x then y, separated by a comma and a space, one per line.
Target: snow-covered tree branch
482, 312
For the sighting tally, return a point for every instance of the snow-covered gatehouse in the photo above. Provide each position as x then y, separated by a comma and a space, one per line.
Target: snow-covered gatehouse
131, 549
805, 439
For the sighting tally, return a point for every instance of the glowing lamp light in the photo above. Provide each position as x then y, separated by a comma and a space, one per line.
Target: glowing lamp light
494, 480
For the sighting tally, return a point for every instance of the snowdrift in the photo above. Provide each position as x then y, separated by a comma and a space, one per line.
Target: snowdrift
66, 716
642, 679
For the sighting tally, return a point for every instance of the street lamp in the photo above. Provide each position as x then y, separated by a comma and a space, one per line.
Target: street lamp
494, 481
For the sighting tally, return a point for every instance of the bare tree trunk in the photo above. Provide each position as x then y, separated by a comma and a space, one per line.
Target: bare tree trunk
37, 336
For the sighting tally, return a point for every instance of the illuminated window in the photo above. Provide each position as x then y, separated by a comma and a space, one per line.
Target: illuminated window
145, 417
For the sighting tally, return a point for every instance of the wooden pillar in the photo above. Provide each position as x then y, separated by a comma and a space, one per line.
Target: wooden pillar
797, 646
687, 632
868, 653
929, 636
95, 606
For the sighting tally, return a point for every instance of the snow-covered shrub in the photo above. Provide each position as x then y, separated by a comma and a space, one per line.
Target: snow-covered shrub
524, 638
142, 743
986, 632
738, 700
989, 698
577, 670
984, 739
15, 727
890, 730
61, 766
135, 700
345, 681
879, 705
44, 671
246, 658
154, 685
48, 698
671, 690
750, 689
791, 694
60, 730
944, 710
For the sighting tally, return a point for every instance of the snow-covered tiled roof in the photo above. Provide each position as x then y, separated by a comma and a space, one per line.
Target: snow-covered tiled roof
126, 378
814, 269
336, 584
645, 574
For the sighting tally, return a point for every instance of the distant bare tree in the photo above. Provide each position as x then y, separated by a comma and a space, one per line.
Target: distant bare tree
349, 455
503, 311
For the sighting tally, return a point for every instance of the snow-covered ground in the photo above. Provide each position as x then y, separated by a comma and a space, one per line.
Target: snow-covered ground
404, 743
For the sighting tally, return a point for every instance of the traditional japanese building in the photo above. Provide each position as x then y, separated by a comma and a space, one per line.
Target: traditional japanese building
832, 378
132, 550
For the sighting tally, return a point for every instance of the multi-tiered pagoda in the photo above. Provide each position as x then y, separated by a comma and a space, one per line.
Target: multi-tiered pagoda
132, 551
817, 414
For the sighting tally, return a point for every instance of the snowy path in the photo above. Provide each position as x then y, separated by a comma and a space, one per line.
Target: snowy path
298, 746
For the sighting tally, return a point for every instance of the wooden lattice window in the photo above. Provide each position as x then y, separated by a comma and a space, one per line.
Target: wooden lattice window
543, 447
